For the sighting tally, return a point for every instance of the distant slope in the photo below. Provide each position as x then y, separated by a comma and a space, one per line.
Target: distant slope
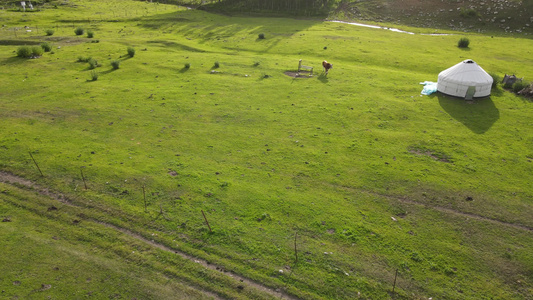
494, 16
510, 16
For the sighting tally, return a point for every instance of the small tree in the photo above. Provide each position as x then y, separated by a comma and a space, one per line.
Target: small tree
131, 51
463, 43
261, 36
49, 32
115, 64
90, 34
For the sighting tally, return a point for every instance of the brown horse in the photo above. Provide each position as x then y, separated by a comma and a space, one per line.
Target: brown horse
327, 66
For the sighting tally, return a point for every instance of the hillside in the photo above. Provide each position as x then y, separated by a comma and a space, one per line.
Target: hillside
494, 16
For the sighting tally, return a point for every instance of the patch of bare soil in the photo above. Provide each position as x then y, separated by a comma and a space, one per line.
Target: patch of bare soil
298, 75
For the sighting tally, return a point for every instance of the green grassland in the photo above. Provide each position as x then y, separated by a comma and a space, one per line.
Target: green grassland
357, 169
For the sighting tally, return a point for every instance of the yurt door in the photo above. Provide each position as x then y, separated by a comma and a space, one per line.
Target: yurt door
470, 92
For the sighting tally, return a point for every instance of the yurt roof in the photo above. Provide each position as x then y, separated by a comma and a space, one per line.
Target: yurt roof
466, 72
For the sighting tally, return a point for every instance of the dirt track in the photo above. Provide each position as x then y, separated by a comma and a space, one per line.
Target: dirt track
16, 180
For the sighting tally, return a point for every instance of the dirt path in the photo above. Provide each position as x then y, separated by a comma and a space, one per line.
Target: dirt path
17, 180
463, 214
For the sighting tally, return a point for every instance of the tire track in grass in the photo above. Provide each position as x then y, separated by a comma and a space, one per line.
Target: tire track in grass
15, 180
455, 212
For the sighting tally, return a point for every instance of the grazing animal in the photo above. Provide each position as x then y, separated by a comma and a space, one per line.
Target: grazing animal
327, 66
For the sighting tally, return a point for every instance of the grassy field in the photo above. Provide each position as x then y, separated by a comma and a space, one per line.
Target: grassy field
356, 170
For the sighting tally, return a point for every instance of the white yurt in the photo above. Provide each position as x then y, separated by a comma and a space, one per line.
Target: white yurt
466, 79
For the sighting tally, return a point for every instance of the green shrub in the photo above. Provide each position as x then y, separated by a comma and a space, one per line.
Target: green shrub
519, 85
187, 65
495, 79
49, 32
90, 34
79, 31
94, 75
131, 51
115, 64
46, 47
92, 63
261, 36
257, 63
24, 51
463, 43
216, 65
37, 51
468, 13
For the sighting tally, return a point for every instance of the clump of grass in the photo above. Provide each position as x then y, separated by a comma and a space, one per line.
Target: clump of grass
36, 51
257, 63
79, 31
47, 47
94, 75
495, 79
115, 64
463, 43
93, 63
216, 65
519, 85
131, 51
261, 36
95, 41
49, 32
90, 34
84, 58
24, 52
187, 66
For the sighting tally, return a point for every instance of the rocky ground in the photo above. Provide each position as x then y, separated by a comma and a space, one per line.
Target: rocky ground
490, 16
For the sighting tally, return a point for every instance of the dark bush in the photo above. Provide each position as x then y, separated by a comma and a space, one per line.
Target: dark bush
79, 31
90, 34
24, 52
187, 65
49, 32
261, 36
216, 65
46, 47
131, 51
463, 43
115, 64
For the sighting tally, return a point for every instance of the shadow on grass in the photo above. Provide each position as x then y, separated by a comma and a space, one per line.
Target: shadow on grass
184, 69
323, 78
478, 115
15, 60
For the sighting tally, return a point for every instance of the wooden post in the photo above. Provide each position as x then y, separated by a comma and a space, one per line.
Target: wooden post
83, 177
394, 285
206, 221
144, 197
36, 164
295, 250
